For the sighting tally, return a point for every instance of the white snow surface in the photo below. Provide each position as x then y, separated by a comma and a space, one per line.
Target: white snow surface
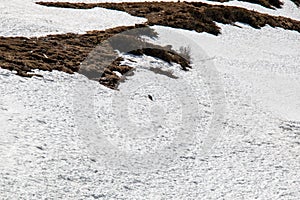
25, 18
289, 9
66, 137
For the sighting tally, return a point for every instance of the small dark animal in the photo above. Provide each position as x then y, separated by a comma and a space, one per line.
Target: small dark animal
150, 97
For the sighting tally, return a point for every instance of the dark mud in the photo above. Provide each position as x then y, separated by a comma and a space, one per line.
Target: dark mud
197, 16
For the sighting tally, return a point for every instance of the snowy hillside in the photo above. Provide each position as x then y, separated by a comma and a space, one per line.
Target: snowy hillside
229, 128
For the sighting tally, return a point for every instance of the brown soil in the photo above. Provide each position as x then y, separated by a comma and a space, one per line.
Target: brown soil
54, 52
196, 16
265, 3
74, 53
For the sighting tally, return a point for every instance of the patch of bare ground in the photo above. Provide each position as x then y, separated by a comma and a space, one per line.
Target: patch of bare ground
73, 53
197, 16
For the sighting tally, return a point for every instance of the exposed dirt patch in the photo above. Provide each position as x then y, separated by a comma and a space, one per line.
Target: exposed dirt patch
54, 52
83, 53
196, 16
164, 54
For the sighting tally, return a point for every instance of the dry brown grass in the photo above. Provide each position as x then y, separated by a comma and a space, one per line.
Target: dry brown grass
196, 16
69, 52
77, 53
62, 52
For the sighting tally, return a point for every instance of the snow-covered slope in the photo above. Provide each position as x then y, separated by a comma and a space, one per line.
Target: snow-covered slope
289, 9
25, 18
227, 129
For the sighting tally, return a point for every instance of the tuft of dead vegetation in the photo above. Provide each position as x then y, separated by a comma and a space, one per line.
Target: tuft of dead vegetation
185, 52
197, 16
